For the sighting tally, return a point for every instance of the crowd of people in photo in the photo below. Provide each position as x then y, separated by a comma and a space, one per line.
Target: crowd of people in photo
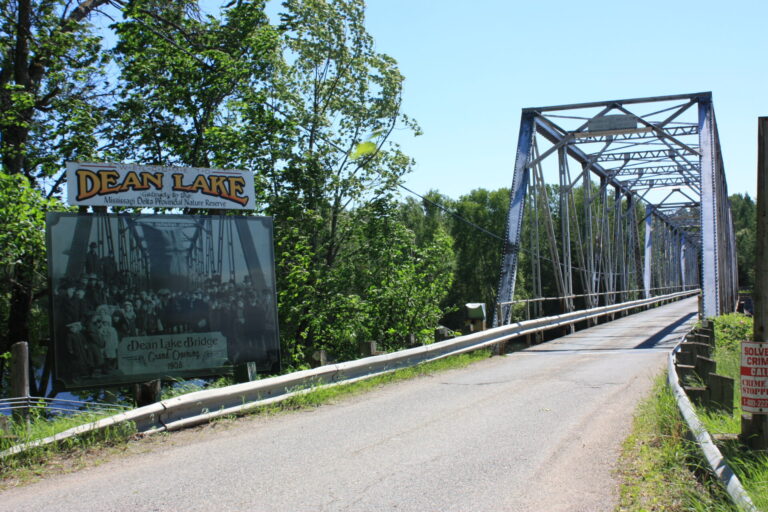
102, 306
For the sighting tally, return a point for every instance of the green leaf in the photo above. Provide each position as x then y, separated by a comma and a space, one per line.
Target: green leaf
363, 149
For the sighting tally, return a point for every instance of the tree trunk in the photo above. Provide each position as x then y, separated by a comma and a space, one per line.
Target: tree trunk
21, 302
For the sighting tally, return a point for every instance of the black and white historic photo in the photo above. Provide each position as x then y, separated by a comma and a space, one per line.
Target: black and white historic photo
139, 297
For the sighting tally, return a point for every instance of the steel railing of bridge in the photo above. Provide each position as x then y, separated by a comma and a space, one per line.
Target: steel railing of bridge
613, 197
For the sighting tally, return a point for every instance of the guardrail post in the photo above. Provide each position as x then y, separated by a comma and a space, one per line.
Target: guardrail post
20, 377
367, 348
246, 372
147, 393
319, 358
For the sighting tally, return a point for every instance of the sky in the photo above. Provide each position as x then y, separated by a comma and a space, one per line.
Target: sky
470, 67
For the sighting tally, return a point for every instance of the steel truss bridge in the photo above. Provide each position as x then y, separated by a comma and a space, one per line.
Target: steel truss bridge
618, 200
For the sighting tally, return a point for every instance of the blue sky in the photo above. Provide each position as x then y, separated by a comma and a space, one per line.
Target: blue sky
471, 67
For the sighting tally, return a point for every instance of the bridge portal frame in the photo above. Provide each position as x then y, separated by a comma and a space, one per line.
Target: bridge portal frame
640, 157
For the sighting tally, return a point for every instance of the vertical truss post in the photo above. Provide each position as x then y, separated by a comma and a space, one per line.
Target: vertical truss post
565, 232
605, 240
634, 242
709, 221
618, 246
536, 245
591, 280
648, 252
683, 270
515, 219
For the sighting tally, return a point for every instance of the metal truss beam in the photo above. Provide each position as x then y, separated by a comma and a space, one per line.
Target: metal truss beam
632, 101
655, 154
660, 182
630, 135
720, 289
552, 134
600, 245
655, 170
511, 255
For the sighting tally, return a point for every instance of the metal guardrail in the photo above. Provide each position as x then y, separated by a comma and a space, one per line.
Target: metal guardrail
717, 462
594, 294
203, 406
56, 406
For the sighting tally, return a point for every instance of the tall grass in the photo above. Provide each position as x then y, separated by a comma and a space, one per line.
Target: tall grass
38, 426
750, 466
660, 467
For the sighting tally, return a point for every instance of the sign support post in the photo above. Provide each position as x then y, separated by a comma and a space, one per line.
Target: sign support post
754, 429
20, 378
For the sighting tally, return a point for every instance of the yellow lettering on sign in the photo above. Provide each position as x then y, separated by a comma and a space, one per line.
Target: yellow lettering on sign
105, 181
226, 187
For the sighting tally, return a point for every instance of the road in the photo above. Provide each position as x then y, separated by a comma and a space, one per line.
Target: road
539, 429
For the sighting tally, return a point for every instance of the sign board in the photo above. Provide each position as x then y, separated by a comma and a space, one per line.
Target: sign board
612, 122
150, 186
754, 377
141, 297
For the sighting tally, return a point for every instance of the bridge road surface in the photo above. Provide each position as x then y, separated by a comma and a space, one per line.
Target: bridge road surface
535, 430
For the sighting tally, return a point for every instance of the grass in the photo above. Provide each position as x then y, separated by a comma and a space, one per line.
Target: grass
663, 470
750, 466
28, 464
75, 453
184, 387
660, 467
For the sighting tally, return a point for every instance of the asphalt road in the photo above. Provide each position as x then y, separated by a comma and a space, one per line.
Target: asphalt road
534, 430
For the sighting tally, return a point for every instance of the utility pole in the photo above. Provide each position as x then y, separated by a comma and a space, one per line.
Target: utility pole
761, 245
755, 430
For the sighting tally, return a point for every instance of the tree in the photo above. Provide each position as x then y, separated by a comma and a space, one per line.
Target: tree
22, 215
50, 88
385, 287
338, 92
478, 253
291, 103
307, 105
190, 84
744, 213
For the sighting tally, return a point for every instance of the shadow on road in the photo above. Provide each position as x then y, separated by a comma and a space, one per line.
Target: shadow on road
663, 333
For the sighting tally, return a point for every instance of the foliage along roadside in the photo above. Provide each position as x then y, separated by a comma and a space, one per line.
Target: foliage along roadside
660, 468
750, 466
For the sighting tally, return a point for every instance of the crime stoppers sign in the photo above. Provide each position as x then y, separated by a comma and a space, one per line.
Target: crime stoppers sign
754, 377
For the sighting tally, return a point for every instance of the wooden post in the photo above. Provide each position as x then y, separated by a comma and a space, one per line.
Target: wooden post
319, 358
367, 348
20, 377
755, 430
721, 393
684, 358
246, 372
704, 366
147, 393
